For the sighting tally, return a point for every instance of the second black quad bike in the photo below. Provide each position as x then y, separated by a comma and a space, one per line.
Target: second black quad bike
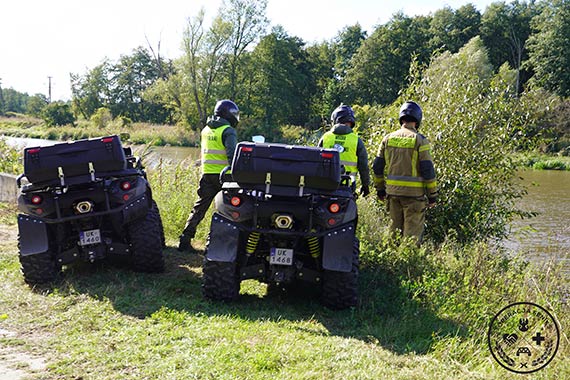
86, 200
288, 217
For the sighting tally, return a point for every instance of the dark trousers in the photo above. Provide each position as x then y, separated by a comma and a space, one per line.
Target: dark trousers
207, 190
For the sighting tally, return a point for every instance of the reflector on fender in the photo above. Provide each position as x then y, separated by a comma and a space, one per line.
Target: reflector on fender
36, 199
334, 208
235, 201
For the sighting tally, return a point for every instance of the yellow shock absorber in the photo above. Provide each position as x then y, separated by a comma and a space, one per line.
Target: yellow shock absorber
314, 247
252, 241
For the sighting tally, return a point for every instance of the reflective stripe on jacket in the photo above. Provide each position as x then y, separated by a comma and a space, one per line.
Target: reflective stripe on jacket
214, 156
405, 167
349, 143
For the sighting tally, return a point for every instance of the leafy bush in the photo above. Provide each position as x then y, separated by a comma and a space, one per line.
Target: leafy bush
102, 117
10, 160
469, 118
58, 113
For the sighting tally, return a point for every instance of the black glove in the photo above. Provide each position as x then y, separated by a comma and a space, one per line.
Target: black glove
364, 190
381, 194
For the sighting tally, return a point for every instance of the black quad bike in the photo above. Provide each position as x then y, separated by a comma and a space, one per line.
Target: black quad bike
288, 218
86, 200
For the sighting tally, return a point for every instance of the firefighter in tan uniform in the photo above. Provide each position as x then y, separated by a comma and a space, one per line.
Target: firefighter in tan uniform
353, 154
218, 142
404, 174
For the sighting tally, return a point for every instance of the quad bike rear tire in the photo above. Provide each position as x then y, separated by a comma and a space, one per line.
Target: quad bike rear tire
220, 280
39, 268
145, 239
340, 289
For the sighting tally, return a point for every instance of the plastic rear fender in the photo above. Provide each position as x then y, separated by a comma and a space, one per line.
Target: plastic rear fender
33, 235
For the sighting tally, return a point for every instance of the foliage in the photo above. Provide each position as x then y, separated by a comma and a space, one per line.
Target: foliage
378, 70
58, 113
549, 47
101, 118
451, 29
10, 159
468, 113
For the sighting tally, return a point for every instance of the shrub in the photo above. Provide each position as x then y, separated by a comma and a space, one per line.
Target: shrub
58, 113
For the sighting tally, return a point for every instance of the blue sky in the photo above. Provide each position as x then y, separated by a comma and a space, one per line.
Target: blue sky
41, 39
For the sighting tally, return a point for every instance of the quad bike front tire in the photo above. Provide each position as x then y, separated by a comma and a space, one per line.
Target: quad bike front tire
340, 289
145, 239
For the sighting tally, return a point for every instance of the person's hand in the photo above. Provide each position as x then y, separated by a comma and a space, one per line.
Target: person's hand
381, 195
364, 190
432, 202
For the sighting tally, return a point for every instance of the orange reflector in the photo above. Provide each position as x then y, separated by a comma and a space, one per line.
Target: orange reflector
235, 201
334, 208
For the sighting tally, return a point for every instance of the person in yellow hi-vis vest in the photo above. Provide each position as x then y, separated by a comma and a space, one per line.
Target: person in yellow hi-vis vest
218, 143
404, 174
353, 154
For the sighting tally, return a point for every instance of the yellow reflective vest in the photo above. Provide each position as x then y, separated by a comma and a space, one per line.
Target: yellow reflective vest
346, 145
214, 156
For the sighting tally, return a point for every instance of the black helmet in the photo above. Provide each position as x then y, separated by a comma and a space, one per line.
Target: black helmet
227, 110
343, 114
411, 110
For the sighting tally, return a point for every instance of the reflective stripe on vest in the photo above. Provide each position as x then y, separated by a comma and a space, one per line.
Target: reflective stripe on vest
349, 143
214, 156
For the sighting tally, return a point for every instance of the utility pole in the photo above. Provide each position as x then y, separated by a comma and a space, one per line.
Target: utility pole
49, 89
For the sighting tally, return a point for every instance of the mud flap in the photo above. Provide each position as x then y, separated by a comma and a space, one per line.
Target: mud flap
338, 249
223, 240
33, 235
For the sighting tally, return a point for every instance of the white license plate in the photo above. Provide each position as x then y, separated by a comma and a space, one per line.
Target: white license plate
281, 256
89, 237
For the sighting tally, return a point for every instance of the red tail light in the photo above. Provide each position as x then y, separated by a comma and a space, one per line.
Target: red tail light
107, 139
39, 211
36, 199
326, 155
126, 197
246, 149
235, 215
235, 201
35, 150
334, 208
331, 221
126, 185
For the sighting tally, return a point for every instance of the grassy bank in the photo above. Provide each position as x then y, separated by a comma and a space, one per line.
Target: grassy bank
138, 133
543, 161
423, 314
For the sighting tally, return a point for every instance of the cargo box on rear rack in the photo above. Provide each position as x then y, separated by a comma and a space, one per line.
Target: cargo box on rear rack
81, 157
266, 165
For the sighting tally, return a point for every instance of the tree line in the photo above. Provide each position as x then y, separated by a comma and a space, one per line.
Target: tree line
279, 80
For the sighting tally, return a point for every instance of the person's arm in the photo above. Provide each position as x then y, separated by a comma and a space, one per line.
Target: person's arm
362, 166
378, 167
229, 139
427, 171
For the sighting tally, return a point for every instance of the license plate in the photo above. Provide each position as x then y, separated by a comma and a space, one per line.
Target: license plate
89, 237
281, 256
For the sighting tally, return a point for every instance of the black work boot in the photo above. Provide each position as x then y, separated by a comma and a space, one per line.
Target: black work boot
184, 244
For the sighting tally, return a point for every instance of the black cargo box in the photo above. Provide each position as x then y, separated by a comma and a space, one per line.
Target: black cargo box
270, 165
81, 157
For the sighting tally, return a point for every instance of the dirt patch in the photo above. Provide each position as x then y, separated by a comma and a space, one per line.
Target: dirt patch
15, 364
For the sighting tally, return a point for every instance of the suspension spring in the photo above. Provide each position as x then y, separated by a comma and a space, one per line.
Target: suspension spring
314, 247
252, 241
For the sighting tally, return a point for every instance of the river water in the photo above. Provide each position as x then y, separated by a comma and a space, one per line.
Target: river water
543, 236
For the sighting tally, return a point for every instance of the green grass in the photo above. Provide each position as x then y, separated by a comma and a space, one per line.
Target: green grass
138, 133
544, 162
423, 314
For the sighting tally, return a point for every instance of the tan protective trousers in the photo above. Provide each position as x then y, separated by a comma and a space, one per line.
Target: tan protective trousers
408, 216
